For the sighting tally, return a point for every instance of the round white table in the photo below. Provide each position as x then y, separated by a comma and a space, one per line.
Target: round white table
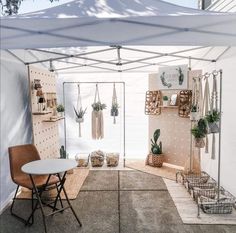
50, 167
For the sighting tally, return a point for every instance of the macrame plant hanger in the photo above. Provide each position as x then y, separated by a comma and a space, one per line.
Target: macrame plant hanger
114, 105
79, 109
205, 105
97, 119
214, 106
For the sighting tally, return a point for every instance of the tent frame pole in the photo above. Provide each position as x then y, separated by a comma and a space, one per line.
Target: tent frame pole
124, 133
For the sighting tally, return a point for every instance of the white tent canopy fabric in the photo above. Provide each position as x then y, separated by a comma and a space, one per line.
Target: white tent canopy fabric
120, 22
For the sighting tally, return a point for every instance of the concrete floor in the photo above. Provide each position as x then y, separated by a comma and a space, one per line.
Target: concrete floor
115, 202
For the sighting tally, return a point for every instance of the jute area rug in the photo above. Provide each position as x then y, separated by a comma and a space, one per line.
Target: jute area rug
73, 185
164, 171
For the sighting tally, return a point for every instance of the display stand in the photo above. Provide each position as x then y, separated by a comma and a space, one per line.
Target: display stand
123, 85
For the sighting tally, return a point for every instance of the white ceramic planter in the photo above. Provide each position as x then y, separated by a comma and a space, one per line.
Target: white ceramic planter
165, 103
194, 116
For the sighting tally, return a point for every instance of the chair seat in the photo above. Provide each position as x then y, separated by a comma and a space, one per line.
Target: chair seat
39, 181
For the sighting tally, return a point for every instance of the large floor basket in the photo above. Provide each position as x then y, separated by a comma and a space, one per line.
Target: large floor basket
155, 160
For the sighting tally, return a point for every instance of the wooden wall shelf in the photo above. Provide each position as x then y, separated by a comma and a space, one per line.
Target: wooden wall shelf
53, 120
41, 113
169, 106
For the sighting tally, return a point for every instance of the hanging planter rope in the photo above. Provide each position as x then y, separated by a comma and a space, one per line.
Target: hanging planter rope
79, 112
97, 116
114, 105
205, 106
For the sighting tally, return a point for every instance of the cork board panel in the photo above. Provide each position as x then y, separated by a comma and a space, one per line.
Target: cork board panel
45, 134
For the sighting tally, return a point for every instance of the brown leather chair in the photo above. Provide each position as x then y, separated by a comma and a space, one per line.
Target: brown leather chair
18, 156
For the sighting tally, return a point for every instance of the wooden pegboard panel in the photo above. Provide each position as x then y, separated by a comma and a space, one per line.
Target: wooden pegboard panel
45, 134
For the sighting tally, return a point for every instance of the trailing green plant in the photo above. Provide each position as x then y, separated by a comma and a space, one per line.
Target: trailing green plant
60, 108
200, 129
80, 114
98, 106
156, 148
165, 98
213, 116
63, 154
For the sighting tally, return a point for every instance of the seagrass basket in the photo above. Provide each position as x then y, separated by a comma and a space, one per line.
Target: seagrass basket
155, 160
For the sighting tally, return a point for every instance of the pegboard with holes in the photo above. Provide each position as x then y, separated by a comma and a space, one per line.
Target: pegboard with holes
45, 134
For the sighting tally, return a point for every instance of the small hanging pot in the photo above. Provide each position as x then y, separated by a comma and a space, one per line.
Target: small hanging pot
114, 112
213, 127
194, 116
199, 142
79, 120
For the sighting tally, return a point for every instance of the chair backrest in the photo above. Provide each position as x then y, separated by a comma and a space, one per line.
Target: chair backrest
20, 155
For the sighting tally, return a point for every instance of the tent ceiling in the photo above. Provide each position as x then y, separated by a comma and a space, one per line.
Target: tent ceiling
117, 59
109, 22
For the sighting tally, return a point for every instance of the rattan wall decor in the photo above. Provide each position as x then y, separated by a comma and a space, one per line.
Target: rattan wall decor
185, 99
152, 103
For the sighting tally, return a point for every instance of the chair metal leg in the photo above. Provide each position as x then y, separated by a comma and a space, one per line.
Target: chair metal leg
25, 221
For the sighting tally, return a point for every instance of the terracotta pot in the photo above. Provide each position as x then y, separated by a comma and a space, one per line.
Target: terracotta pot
199, 142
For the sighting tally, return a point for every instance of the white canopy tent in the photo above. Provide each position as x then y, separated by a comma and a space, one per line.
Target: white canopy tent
122, 22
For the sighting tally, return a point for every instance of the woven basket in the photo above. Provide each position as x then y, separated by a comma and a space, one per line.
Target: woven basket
155, 160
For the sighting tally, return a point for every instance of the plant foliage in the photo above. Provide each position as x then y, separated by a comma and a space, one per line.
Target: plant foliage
11, 7
156, 148
98, 106
165, 98
60, 108
80, 114
213, 116
200, 129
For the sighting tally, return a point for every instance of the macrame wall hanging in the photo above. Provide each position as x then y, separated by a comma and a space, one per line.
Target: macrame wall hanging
152, 103
185, 99
79, 112
97, 116
114, 105
196, 106
213, 127
205, 106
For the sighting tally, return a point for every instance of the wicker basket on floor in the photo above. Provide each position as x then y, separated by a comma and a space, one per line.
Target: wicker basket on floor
155, 160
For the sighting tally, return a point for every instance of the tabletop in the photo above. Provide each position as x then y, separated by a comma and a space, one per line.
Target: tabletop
48, 166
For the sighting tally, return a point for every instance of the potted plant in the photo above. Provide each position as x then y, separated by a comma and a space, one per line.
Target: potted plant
199, 132
80, 118
114, 109
155, 157
97, 106
165, 101
194, 114
60, 109
212, 119
80, 115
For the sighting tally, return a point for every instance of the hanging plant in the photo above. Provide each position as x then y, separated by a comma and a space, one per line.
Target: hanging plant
114, 109
199, 132
80, 115
212, 119
194, 114
97, 106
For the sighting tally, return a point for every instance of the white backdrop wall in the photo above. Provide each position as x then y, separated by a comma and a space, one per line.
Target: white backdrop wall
136, 122
228, 149
15, 120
